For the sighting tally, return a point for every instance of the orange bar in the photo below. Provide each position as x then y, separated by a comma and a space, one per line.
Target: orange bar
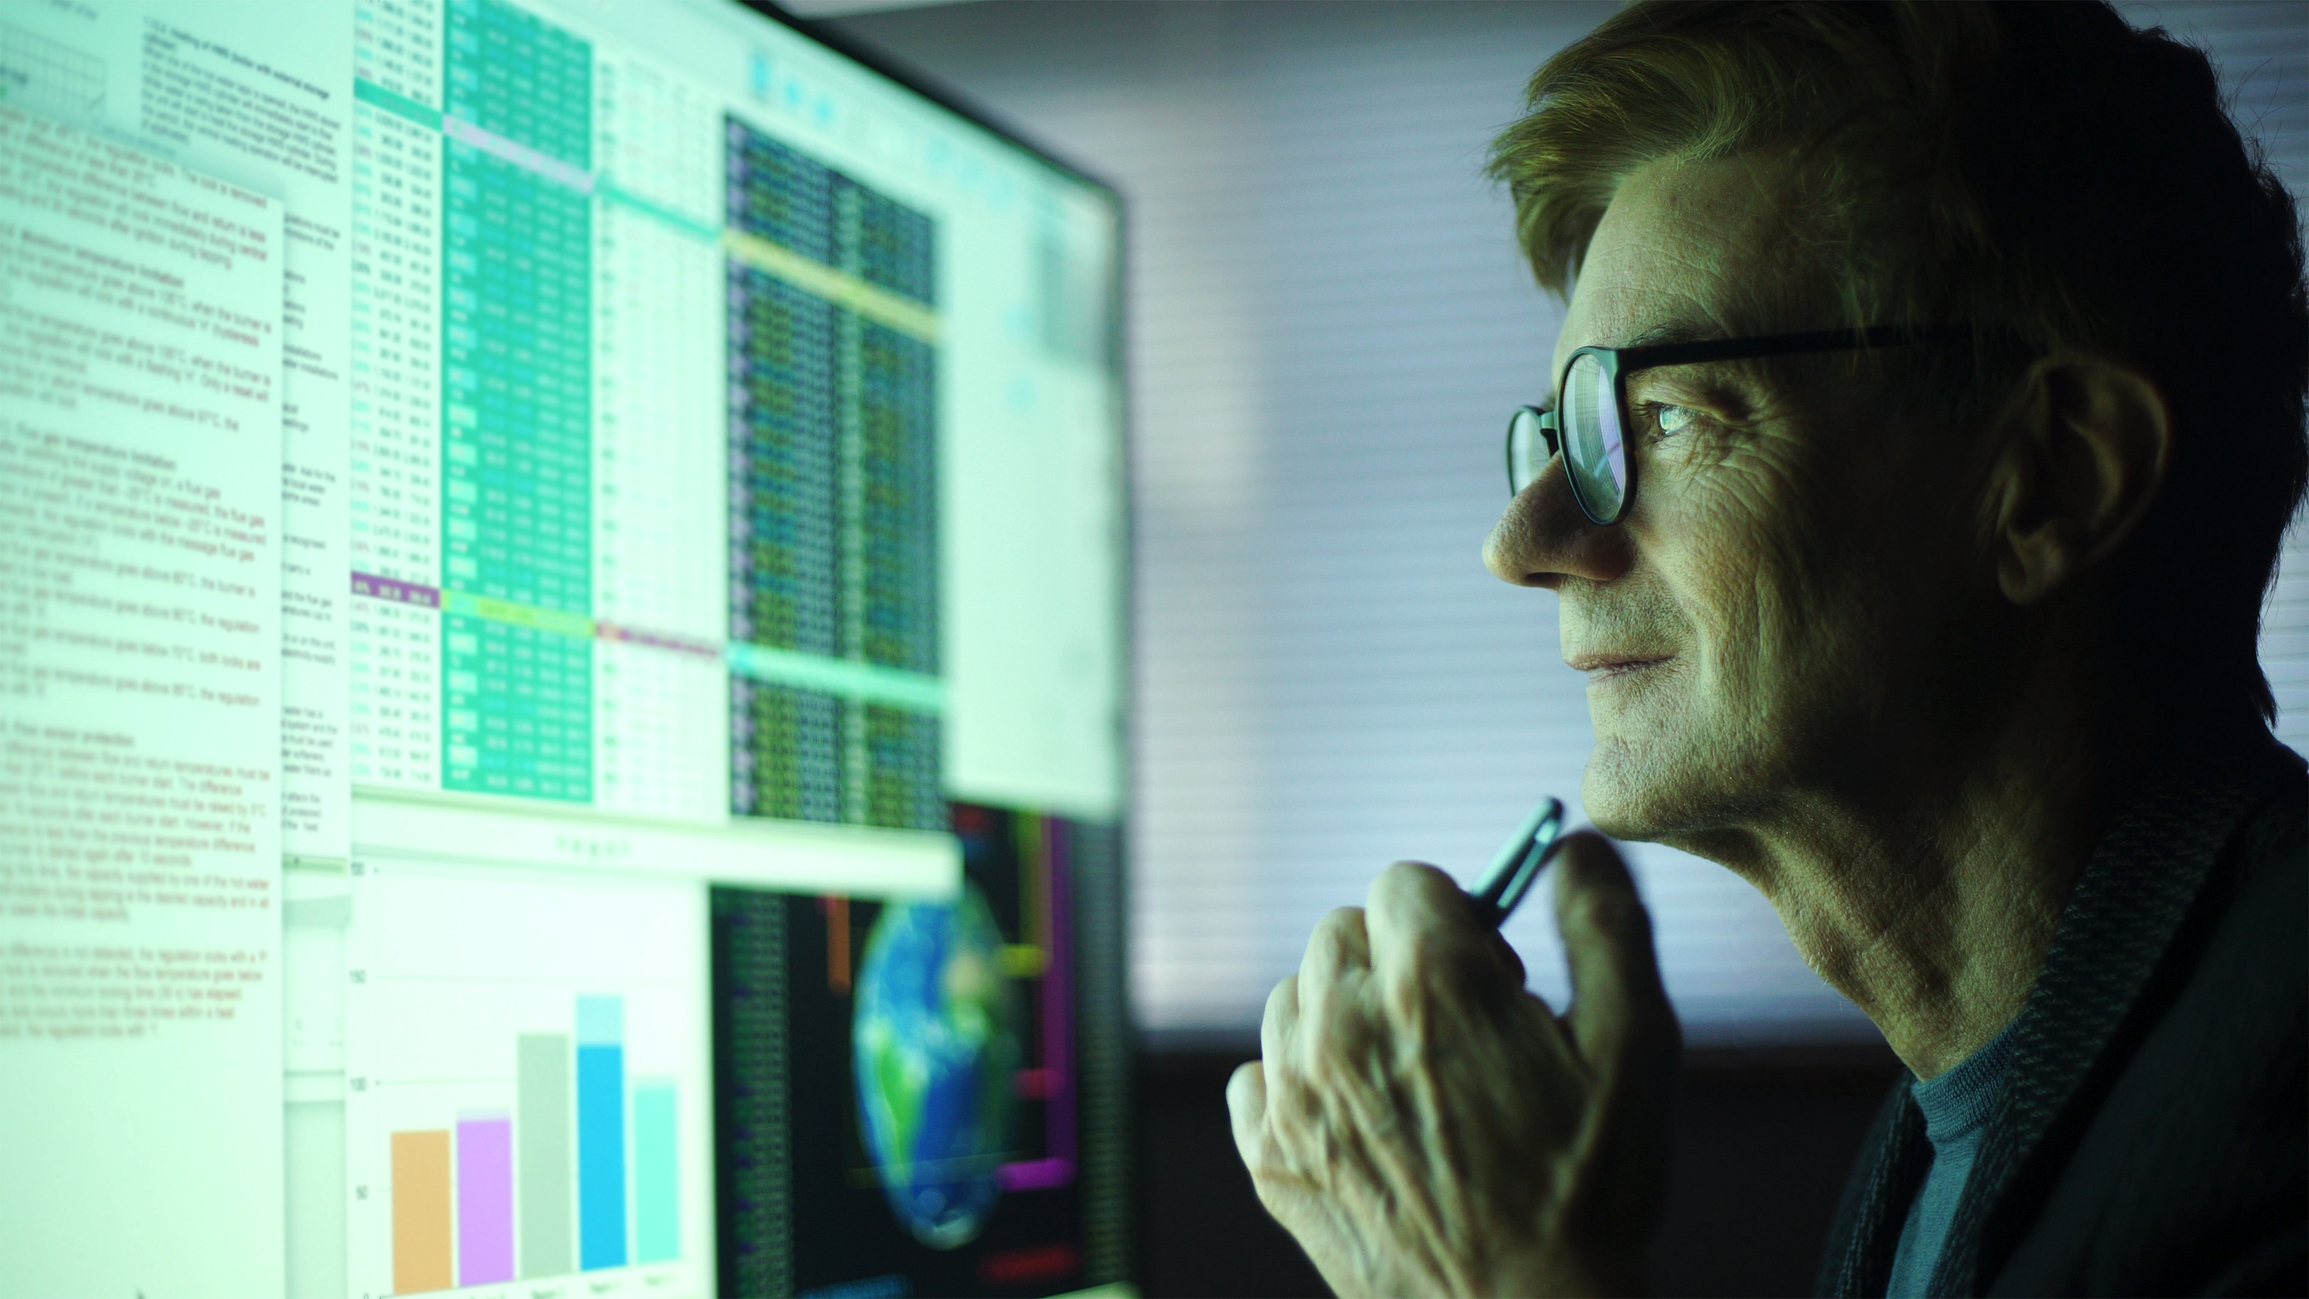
421, 1211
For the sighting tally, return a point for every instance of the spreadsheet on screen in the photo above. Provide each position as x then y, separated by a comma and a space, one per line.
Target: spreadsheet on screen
562, 647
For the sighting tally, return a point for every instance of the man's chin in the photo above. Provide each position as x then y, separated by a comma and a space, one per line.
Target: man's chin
1612, 790
1641, 790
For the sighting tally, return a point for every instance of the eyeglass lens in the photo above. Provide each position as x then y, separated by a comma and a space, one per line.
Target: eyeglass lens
1527, 450
1595, 449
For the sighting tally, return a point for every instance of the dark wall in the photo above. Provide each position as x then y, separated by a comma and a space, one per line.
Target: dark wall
1762, 1146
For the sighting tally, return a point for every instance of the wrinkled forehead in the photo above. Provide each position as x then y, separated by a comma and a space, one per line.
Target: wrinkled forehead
1689, 250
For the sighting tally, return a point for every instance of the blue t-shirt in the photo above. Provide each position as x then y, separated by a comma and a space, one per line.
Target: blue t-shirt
1957, 1106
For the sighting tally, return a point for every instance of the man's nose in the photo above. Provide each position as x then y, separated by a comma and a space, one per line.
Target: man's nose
1544, 537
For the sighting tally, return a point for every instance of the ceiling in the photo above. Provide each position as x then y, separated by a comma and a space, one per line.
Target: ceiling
847, 8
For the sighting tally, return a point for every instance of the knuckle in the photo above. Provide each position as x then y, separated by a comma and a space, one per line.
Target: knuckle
1337, 939
1285, 991
1281, 1003
1338, 1041
1402, 882
1611, 910
1406, 996
1603, 911
1293, 1107
1603, 903
1245, 1084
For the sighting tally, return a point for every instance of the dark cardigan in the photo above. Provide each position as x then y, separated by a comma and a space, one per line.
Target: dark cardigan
2153, 1136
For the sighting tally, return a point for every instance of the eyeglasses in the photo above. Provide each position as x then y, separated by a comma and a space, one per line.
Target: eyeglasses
1589, 425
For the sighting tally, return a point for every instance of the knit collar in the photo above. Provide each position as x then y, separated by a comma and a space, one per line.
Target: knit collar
1959, 1101
2136, 890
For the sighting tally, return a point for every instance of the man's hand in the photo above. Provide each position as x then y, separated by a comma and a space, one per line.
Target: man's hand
1423, 1125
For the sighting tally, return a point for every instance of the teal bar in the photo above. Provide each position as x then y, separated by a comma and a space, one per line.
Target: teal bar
376, 96
656, 1192
848, 678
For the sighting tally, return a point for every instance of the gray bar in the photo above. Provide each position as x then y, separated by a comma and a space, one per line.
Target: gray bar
541, 1133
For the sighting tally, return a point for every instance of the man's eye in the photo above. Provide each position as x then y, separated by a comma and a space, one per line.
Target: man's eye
1671, 419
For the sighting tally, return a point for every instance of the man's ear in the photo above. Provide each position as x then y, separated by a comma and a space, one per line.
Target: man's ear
2088, 442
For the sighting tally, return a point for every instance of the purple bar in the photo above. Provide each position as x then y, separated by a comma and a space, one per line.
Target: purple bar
656, 640
484, 1199
1035, 1174
386, 588
1057, 1070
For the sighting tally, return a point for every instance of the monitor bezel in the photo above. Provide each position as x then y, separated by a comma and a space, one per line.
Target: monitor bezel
882, 63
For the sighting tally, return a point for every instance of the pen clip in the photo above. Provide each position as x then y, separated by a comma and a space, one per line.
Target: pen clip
1518, 864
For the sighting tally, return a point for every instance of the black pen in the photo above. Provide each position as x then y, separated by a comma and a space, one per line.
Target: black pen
1518, 863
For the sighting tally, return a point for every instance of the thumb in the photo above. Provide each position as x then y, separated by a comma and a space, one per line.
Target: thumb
1619, 1009
1247, 1112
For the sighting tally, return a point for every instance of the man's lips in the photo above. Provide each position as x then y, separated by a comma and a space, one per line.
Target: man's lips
1604, 666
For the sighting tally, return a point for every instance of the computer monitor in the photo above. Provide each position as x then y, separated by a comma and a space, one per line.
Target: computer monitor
562, 648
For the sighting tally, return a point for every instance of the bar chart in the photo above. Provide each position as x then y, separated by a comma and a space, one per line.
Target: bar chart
526, 1083
482, 1181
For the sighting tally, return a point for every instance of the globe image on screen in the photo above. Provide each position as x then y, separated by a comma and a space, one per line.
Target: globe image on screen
935, 1042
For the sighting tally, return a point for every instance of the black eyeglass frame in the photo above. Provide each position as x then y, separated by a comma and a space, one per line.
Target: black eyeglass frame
1620, 362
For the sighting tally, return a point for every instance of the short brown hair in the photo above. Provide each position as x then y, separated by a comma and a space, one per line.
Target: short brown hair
2043, 172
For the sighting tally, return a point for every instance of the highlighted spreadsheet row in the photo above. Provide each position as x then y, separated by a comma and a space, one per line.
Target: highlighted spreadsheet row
804, 857
849, 678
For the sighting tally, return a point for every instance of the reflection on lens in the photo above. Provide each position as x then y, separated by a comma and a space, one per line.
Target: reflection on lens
1594, 449
1526, 450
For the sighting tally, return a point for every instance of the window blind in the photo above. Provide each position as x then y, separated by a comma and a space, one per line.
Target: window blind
1328, 319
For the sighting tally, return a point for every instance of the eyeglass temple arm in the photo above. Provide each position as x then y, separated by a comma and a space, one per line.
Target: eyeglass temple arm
1819, 340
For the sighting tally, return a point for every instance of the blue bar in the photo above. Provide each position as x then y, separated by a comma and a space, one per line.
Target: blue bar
656, 1196
601, 1021
600, 1132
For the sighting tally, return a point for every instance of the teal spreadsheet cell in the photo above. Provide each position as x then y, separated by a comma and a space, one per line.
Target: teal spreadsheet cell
520, 706
517, 417
517, 399
518, 76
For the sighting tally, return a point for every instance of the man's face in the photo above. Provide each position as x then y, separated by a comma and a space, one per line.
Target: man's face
1782, 598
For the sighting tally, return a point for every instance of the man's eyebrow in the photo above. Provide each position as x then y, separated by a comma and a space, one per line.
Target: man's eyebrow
1676, 331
